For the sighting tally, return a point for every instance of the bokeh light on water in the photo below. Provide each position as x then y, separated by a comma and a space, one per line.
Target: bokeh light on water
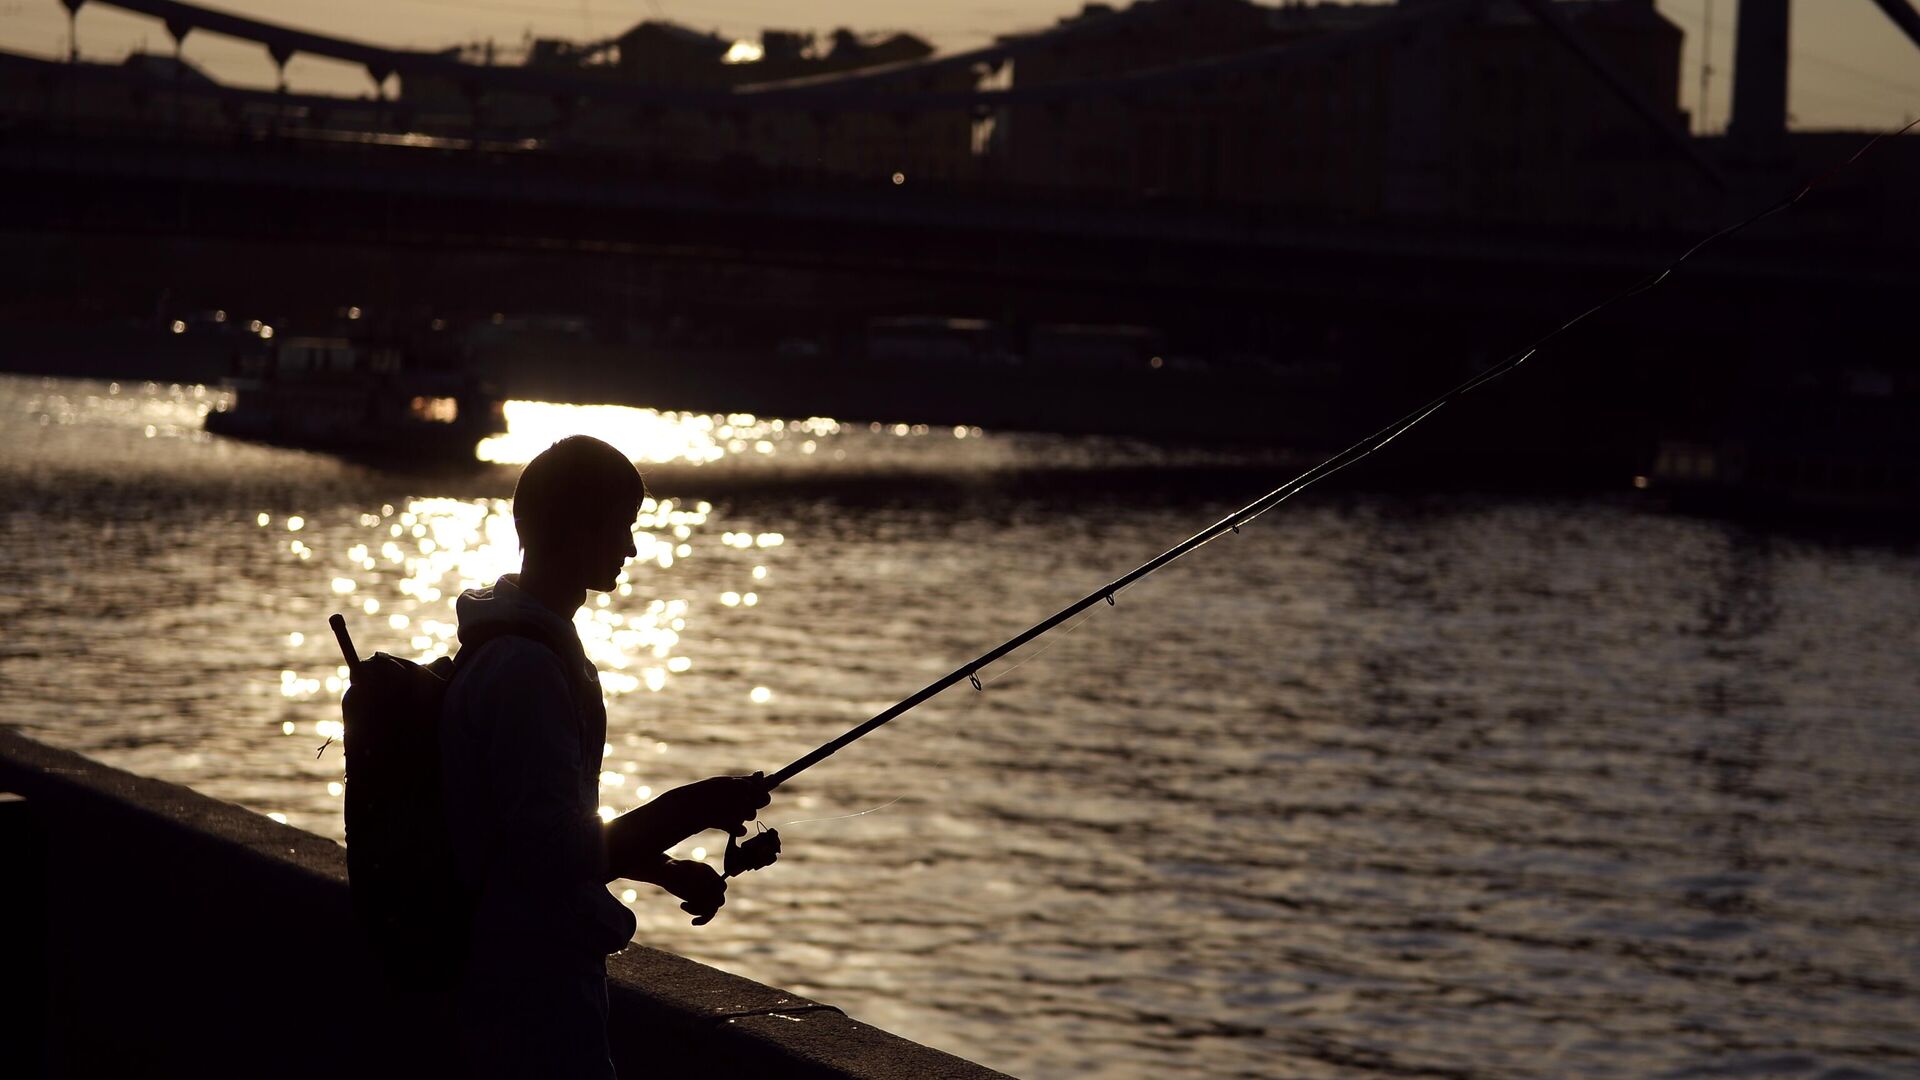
396, 571
408, 564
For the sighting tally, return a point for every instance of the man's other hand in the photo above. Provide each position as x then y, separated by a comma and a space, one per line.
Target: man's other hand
700, 887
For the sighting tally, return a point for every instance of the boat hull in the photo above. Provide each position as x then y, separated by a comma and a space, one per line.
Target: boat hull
399, 419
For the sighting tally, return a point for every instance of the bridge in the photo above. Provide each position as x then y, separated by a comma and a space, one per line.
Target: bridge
301, 202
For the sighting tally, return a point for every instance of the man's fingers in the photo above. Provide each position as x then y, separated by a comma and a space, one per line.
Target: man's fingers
702, 913
705, 888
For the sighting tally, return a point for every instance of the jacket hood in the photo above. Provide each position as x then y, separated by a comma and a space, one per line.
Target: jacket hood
480, 611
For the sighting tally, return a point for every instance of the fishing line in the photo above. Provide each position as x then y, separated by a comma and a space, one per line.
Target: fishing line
841, 817
1353, 454
989, 681
1037, 653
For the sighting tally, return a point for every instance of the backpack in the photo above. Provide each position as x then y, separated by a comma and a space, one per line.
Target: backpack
407, 894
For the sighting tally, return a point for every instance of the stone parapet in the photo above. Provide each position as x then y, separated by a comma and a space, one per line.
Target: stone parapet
156, 931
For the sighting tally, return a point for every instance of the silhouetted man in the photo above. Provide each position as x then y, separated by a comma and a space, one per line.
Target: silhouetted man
522, 739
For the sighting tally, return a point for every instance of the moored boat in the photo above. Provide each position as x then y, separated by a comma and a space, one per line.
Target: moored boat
356, 397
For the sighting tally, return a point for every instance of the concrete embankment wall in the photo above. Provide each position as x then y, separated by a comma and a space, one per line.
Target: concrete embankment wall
155, 931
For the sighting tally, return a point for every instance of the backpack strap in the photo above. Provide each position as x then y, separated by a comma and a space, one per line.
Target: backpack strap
576, 678
578, 686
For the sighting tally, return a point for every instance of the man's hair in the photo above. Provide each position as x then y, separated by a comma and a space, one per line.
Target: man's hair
570, 483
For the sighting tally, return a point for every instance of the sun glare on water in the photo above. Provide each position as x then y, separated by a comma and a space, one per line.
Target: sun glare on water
645, 435
648, 436
397, 569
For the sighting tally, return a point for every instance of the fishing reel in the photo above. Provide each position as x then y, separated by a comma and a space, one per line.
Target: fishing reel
757, 852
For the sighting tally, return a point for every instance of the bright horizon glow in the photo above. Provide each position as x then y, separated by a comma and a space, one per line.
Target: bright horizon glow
743, 52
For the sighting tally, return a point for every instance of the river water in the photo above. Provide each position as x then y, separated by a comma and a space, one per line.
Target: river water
1382, 786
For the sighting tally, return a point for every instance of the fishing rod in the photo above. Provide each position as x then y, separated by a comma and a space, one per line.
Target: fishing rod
762, 849
1353, 454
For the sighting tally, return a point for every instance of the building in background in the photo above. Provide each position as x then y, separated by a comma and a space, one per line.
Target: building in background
1490, 118
874, 145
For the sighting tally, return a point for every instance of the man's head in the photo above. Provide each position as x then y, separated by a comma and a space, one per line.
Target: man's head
574, 508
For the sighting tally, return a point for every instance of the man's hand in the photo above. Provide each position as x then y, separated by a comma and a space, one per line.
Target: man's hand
718, 802
701, 888
635, 839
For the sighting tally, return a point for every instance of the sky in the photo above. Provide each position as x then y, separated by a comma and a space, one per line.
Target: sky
1852, 68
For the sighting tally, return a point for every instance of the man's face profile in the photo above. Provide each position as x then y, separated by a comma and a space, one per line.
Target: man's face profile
591, 547
608, 544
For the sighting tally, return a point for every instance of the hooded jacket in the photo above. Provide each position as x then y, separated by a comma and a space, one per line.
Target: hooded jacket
521, 748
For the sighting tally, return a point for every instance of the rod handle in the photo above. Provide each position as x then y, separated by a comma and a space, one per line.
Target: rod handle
339, 624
